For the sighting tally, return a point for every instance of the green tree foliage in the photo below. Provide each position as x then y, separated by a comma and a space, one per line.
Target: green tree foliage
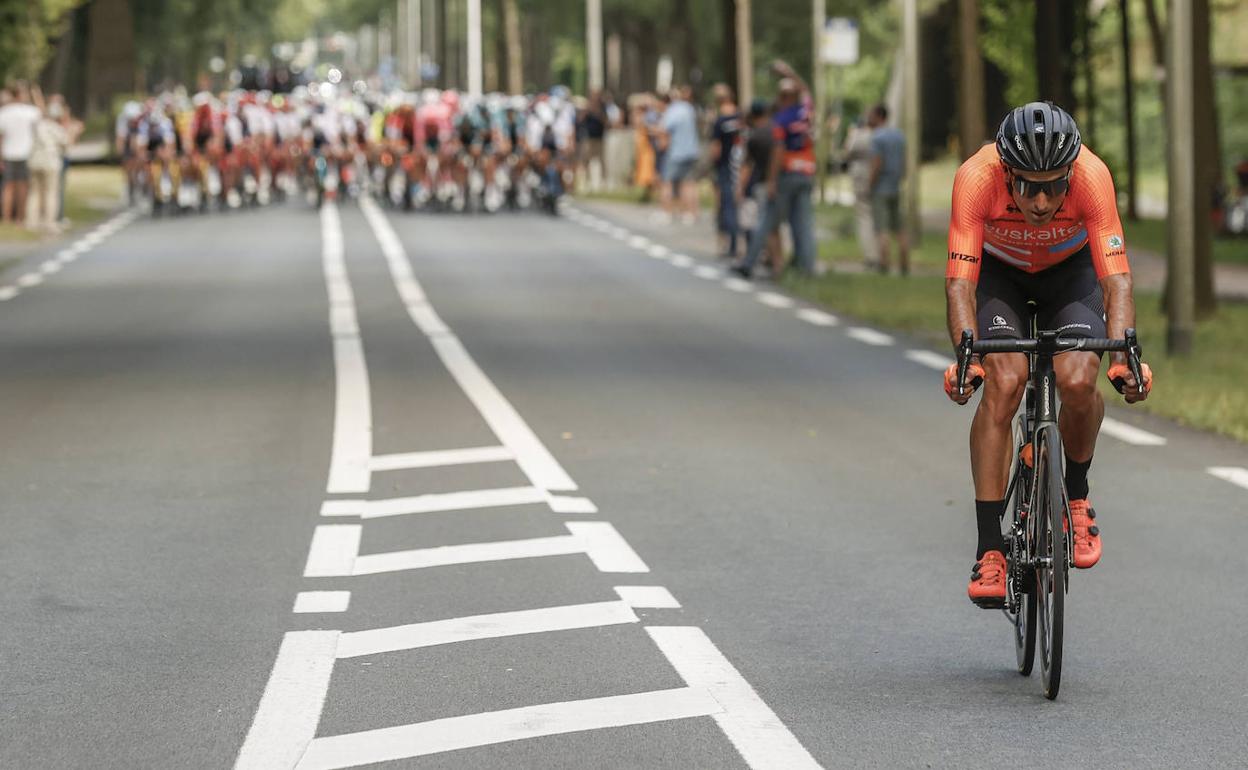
27, 30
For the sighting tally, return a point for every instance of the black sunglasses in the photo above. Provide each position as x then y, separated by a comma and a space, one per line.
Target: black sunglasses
1029, 189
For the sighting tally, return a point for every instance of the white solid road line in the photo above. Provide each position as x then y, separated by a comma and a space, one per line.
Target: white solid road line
353, 419
1237, 476
753, 728
338, 554
453, 501
929, 359
450, 734
817, 317
647, 597
531, 455
1130, 434
334, 550
771, 299
434, 459
290, 708
322, 601
869, 336
492, 626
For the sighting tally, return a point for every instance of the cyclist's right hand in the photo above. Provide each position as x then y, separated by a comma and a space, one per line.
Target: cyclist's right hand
974, 378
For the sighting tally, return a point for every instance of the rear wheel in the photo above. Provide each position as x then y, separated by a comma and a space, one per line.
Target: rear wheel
1049, 514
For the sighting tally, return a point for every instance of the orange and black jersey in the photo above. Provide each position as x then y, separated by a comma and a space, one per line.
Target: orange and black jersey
985, 222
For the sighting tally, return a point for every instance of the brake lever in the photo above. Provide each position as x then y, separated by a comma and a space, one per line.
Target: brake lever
1133, 359
964, 359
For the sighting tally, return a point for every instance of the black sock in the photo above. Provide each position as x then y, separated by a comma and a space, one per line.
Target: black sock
1077, 478
988, 517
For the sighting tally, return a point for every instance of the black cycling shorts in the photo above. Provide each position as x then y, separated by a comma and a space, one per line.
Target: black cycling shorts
1068, 298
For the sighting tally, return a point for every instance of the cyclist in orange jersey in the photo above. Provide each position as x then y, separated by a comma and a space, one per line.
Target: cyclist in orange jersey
1035, 219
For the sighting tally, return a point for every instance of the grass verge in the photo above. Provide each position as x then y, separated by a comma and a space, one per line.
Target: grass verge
91, 192
1206, 391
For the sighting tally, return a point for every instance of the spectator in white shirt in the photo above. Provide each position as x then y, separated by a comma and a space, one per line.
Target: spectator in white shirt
17, 139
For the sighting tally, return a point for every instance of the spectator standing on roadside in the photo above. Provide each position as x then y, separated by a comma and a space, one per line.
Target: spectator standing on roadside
759, 145
790, 178
46, 158
888, 166
595, 129
17, 137
73, 129
645, 170
726, 134
857, 155
680, 138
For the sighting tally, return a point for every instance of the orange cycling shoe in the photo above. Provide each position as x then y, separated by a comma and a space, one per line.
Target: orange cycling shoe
987, 588
1087, 534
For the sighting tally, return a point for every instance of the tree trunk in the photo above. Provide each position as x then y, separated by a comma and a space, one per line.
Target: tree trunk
1208, 159
728, 28
515, 53
110, 53
1087, 22
1054, 31
971, 128
1128, 93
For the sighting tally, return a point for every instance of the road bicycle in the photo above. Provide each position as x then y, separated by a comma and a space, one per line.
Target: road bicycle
1039, 541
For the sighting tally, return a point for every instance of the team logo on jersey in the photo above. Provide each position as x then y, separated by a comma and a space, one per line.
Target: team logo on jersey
999, 321
1115, 242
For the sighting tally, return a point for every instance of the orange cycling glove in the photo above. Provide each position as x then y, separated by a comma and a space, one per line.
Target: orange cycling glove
974, 378
1120, 376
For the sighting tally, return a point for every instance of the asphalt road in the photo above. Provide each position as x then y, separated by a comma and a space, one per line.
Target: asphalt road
181, 398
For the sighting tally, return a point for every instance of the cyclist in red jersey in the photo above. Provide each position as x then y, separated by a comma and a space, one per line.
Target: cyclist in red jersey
1035, 219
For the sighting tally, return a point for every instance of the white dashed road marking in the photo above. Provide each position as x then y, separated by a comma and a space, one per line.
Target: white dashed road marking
738, 285
706, 272
485, 454
869, 336
647, 597
929, 359
771, 299
1130, 434
322, 601
1237, 476
682, 261
817, 317
658, 252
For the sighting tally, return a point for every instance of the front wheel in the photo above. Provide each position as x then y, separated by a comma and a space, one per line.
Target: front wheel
1049, 541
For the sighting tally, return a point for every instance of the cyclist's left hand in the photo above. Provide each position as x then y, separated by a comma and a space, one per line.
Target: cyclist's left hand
1123, 381
974, 378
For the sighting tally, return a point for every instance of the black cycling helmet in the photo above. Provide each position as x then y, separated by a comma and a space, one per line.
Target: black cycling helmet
1039, 136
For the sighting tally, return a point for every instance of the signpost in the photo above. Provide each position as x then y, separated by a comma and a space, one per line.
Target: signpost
837, 44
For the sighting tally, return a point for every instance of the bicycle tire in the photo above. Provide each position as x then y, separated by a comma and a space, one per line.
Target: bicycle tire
1049, 514
1025, 617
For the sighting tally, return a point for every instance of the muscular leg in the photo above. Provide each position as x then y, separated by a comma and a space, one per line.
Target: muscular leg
1082, 405
1005, 377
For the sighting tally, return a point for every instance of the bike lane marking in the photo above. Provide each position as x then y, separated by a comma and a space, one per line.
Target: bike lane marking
439, 458
494, 625
493, 727
1237, 476
532, 456
322, 601
351, 455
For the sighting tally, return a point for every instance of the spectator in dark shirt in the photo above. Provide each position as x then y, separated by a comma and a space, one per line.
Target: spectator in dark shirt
726, 155
594, 126
756, 161
790, 178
